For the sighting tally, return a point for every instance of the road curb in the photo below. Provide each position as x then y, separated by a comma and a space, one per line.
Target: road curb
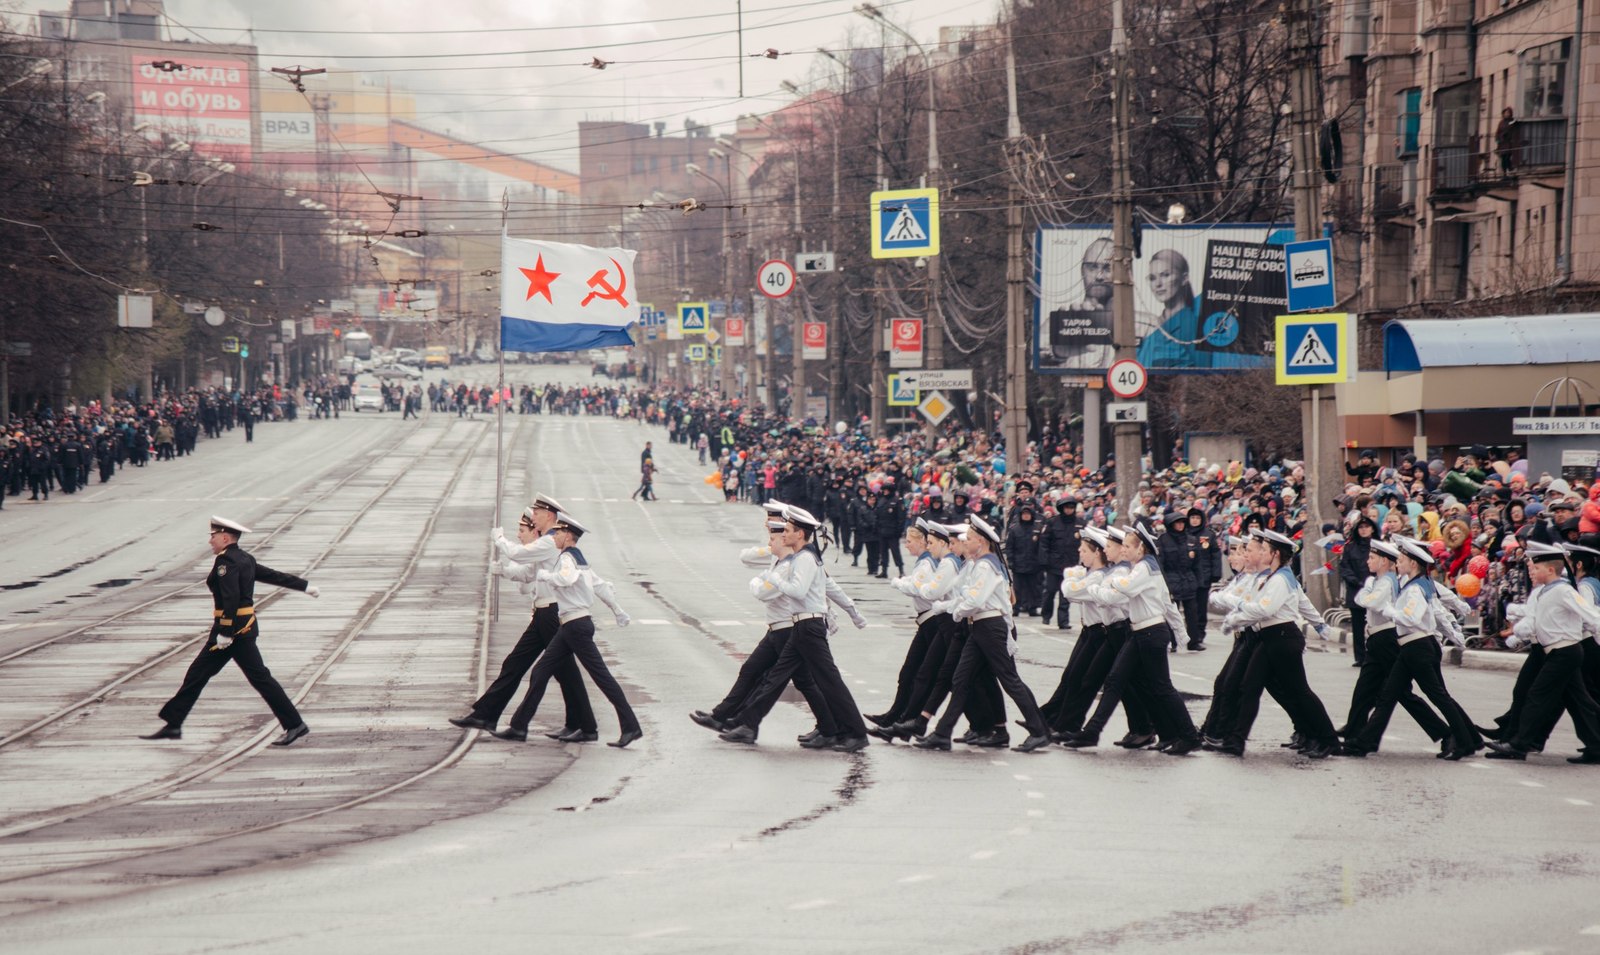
1454, 656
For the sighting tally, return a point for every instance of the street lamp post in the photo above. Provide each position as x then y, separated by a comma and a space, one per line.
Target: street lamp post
727, 279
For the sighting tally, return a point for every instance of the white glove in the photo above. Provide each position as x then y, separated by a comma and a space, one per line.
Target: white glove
313, 591
223, 643
757, 584
1011, 645
544, 575
833, 624
623, 619
1322, 630
859, 621
497, 535
1513, 642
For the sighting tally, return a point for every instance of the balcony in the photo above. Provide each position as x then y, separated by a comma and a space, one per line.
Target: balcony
1394, 189
1544, 143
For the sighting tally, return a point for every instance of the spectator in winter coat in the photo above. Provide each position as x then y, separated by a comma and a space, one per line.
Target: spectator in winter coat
1589, 516
1178, 552
1353, 572
1022, 556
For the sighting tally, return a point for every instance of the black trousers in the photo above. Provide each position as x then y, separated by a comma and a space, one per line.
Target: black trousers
1418, 660
1559, 686
210, 662
841, 534
1027, 586
1141, 664
874, 554
754, 670
890, 547
1088, 644
1277, 656
1358, 632
1194, 616
985, 706
1383, 650
1225, 689
540, 631
575, 639
1511, 719
986, 644
916, 655
807, 647
1048, 596
1102, 659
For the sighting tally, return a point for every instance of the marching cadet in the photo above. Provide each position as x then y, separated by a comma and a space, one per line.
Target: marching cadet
1112, 610
1066, 708
575, 588
535, 550
799, 583
985, 601
1141, 663
1555, 616
780, 627
1376, 598
933, 677
234, 631
1418, 617
924, 565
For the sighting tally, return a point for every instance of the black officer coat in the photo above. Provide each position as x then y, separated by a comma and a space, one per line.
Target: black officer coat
232, 583
1179, 555
1022, 547
1058, 544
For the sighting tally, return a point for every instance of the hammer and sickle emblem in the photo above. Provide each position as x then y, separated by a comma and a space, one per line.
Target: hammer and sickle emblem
601, 280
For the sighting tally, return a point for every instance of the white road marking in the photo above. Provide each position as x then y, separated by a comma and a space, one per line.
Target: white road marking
982, 854
1579, 802
1036, 813
1035, 794
1020, 831
727, 623
1591, 930
652, 622
1530, 784
813, 904
675, 501
1021, 778
658, 932
998, 762
919, 877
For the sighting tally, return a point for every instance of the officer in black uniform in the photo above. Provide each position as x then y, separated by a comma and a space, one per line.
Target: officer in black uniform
234, 631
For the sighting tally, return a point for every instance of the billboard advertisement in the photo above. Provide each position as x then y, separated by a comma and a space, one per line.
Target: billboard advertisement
203, 101
1205, 297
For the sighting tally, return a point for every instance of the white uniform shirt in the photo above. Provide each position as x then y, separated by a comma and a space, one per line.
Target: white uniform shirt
1556, 615
1414, 612
1232, 595
1377, 597
539, 555
941, 582
1077, 585
1274, 601
1149, 601
797, 581
985, 589
911, 584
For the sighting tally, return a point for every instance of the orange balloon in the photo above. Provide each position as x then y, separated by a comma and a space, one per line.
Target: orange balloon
1468, 585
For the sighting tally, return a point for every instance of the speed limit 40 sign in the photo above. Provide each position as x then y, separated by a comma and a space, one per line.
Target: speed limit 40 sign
1127, 378
776, 278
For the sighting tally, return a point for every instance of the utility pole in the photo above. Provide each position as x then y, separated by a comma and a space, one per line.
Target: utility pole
835, 359
880, 361
1320, 411
1128, 437
1014, 425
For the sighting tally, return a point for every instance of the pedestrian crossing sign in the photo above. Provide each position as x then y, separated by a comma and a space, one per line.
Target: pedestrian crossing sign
693, 317
903, 391
1316, 349
905, 223
697, 353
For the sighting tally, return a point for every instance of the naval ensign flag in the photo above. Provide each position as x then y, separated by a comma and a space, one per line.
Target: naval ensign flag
555, 296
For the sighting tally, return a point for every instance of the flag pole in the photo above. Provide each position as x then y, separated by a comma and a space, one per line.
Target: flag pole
500, 414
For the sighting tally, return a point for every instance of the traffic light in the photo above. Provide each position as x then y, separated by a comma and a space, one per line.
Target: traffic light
244, 351
338, 333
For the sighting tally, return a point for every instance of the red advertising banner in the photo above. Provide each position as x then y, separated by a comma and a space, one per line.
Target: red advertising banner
202, 101
815, 341
905, 343
733, 328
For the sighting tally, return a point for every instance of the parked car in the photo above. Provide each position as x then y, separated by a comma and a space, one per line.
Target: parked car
365, 396
397, 371
436, 356
408, 356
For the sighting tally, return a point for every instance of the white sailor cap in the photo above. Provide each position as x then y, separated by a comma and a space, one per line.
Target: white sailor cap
1414, 549
922, 525
232, 527
956, 531
982, 526
527, 516
1580, 549
567, 521
1144, 534
801, 517
1273, 537
1236, 541
1115, 533
1385, 549
776, 525
1096, 536
1538, 551
936, 529
775, 507
548, 503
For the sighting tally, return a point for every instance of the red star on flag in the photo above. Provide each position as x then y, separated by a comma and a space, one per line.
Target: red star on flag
539, 280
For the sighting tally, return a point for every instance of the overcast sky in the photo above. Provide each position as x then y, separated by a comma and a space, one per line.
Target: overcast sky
520, 81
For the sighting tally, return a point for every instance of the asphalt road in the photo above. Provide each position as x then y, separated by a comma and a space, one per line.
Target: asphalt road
389, 830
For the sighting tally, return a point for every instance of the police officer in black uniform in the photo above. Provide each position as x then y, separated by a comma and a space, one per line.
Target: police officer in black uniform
1058, 550
234, 631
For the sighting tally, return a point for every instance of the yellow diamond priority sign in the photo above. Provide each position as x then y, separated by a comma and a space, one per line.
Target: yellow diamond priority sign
935, 407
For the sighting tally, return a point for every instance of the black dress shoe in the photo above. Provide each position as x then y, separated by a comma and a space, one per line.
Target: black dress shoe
808, 737
470, 722
170, 731
937, 741
1487, 732
1033, 743
1315, 750
1499, 750
992, 741
739, 734
1081, 741
1458, 753
968, 736
882, 719
289, 736
885, 733
708, 721
1136, 740
1182, 747
1231, 748
627, 737
579, 736
850, 744
818, 741
556, 734
1196, 647
1585, 758
1295, 742
510, 733
906, 729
